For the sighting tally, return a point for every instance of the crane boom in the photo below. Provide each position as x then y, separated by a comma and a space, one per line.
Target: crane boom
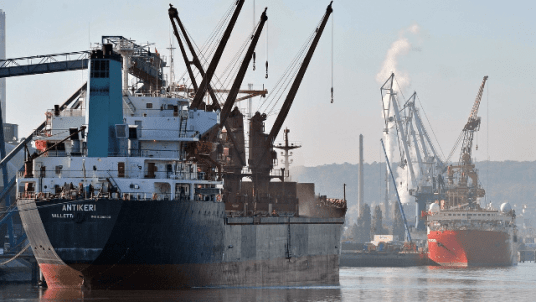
205, 83
173, 14
231, 97
261, 153
474, 120
299, 77
472, 125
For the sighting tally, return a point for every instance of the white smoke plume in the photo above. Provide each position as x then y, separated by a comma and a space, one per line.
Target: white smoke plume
389, 133
402, 184
398, 49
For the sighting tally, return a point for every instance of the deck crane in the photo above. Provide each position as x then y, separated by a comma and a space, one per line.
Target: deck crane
174, 17
466, 193
261, 154
203, 149
207, 77
234, 123
210, 148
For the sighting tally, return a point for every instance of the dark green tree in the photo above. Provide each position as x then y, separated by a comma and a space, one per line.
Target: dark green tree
377, 223
362, 231
398, 223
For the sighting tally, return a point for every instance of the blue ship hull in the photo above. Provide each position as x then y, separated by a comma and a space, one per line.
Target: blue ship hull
151, 244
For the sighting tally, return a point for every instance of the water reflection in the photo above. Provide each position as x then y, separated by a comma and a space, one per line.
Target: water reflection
321, 293
516, 283
439, 284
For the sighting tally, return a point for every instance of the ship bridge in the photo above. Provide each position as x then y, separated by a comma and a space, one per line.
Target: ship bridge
143, 64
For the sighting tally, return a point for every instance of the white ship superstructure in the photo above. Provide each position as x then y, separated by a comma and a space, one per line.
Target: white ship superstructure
147, 161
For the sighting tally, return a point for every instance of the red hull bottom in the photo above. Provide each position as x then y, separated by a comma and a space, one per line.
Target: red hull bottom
61, 276
296, 271
471, 248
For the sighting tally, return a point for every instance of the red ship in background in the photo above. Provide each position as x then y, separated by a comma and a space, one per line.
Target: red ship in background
461, 232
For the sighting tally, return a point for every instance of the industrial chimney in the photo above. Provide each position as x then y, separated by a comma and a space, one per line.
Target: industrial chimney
360, 176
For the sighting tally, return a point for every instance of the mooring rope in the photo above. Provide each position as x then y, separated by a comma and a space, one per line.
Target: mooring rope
14, 257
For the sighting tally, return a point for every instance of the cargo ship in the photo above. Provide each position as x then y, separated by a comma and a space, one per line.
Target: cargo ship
460, 231
142, 190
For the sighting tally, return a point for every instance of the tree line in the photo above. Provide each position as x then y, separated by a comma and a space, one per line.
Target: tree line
369, 224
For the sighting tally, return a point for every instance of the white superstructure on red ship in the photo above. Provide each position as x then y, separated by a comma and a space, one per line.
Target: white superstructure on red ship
477, 237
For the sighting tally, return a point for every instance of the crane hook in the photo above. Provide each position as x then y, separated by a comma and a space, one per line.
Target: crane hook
254, 61
266, 70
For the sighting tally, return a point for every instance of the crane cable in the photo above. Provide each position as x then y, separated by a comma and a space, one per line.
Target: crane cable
216, 81
430, 125
332, 33
487, 142
206, 52
266, 76
208, 49
231, 70
455, 146
212, 37
285, 80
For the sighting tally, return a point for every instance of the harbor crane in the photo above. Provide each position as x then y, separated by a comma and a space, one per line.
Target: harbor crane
468, 189
417, 152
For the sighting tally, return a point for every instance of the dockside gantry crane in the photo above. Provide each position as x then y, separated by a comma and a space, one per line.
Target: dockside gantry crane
417, 151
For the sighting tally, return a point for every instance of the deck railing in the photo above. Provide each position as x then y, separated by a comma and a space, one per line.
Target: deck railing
142, 196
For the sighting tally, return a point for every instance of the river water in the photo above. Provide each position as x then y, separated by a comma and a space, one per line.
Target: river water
517, 283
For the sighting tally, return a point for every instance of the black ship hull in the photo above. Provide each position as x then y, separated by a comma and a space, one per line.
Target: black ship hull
151, 244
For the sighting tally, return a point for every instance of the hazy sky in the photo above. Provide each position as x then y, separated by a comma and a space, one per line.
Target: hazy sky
450, 46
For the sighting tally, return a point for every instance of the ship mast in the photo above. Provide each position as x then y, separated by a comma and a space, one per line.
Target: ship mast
286, 148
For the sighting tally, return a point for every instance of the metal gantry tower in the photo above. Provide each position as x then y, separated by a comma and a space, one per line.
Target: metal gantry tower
416, 149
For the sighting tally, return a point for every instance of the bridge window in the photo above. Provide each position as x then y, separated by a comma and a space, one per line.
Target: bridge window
100, 69
120, 169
